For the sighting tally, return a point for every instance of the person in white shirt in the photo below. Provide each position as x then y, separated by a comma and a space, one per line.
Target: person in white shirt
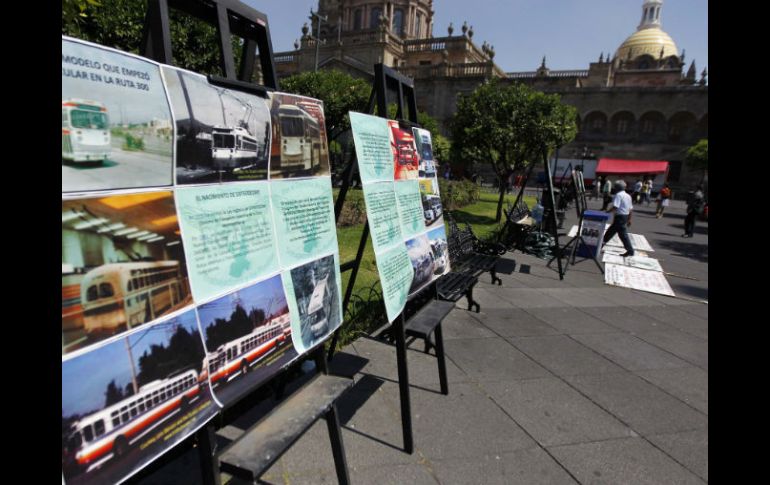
622, 208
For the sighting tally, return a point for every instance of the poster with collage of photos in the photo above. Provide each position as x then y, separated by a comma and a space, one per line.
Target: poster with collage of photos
398, 170
199, 252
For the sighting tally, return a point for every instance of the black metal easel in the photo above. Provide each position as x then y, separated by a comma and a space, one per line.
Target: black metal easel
231, 17
385, 79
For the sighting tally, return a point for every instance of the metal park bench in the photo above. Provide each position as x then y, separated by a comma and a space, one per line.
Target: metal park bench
518, 225
470, 255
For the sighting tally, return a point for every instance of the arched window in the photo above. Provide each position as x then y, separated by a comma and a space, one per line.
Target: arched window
418, 25
374, 20
398, 21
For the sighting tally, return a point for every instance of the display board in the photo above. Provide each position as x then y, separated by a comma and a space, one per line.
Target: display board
637, 279
403, 206
199, 252
638, 242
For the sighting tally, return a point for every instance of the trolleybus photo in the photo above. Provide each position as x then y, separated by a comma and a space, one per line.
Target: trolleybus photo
85, 131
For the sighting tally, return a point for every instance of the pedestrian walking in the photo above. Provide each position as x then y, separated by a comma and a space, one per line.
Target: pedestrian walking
621, 208
663, 201
637, 191
597, 188
695, 206
646, 191
606, 192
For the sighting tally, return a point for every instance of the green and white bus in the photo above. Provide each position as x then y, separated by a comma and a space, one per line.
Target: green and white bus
85, 131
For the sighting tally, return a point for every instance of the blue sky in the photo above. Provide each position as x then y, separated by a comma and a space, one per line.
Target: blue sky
570, 33
267, 293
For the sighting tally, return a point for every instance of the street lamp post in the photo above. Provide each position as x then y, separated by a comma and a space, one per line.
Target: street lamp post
317, 38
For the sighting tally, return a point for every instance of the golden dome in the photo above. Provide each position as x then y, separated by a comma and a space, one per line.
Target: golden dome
647, 41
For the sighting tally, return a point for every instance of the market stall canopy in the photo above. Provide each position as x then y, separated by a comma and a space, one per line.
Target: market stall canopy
617, 165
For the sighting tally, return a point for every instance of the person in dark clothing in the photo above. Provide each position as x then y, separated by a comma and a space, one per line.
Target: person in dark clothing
622, 208
695, 207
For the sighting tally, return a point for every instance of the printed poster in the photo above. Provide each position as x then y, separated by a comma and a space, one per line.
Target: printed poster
116, 129
637, 279
199, 252
398, 171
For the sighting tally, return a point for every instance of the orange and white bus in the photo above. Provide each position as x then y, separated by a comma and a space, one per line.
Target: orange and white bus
108, 433
123, 295
296, 139
85, 131
236, 357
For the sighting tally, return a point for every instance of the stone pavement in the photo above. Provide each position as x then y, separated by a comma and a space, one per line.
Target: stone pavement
553, 382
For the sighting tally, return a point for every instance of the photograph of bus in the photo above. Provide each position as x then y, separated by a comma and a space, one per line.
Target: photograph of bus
123, 265
85, 131
425, 149
421, 255
405, 158
318, 299
247, 336
135, 402
431, 205
222, 135
299, 147
115, 133
440, 249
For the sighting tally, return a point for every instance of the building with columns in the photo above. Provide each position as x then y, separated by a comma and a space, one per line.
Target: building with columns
636, 103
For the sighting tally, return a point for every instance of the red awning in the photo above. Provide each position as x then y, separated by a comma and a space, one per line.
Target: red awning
617, 165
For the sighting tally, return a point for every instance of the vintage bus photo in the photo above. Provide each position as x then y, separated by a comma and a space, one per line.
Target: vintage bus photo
85, 131
119, 296
298, 139
232, 147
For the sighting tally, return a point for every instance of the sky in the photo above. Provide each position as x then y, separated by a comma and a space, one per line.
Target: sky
570, 33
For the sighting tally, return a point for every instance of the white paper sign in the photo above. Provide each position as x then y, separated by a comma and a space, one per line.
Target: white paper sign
637, 279
641, 262
638, 241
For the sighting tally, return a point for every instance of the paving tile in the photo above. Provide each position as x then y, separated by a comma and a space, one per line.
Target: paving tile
459, 324
422, 367
486, 298
392, 474
514, 323
625, 318
554, 413
630, 460
627, 297
524, 467
445, 428
681, 320
690, 384
578, 297
634, 401
693, 349
690, 448
564, 356
530, 298
699, 310
492, 359
630, 351
571, 320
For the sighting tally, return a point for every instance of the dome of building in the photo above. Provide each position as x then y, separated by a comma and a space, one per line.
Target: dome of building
647, 41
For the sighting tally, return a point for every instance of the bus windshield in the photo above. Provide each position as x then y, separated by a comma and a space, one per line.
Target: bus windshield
88, 119
291, 126
223, 141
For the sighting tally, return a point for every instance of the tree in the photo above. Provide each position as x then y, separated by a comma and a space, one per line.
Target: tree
120, 24
340, 93
113, 394
509, 127
698, 155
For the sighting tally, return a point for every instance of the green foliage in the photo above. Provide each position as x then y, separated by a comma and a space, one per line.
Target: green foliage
698, 155
120, 23
133, 143
339, 91
457, 193
441, 148
509, 127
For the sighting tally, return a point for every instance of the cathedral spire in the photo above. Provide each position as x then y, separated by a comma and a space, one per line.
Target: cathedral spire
650, 14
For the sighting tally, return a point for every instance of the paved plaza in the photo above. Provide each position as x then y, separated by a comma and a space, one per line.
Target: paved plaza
553, 382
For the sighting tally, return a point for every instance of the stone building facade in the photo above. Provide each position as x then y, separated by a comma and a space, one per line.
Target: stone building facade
638, 103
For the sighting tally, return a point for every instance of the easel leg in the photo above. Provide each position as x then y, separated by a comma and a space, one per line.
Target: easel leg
208, 461
441, 360
338, 447
403, 385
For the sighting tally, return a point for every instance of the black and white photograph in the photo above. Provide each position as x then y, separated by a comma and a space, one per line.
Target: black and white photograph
221, 135
318, 299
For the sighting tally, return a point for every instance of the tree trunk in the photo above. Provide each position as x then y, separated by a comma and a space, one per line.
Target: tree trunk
503, 186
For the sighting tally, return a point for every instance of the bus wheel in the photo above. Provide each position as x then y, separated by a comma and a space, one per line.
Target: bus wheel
120, 447
245, 367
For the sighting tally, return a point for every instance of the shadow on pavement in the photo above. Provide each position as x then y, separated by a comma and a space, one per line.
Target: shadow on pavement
690, 290
698, 252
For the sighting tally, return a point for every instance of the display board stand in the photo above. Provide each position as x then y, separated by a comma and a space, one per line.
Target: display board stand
245, 456
385, 79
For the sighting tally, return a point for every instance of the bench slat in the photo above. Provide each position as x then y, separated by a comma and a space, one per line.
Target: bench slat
424, 321
266, 441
